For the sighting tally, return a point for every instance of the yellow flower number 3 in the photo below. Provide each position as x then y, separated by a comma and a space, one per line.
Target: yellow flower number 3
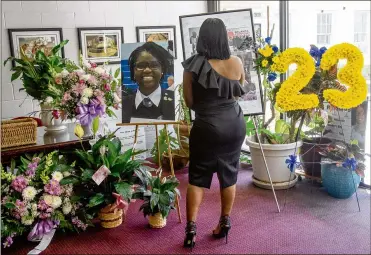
350, 75
288, 97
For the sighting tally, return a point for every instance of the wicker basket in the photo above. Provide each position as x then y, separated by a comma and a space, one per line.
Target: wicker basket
110, 218
156, 221
18, 132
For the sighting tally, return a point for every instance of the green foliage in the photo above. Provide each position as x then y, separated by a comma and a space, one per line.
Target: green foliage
181, 110
38, 74
158, 195
163, 145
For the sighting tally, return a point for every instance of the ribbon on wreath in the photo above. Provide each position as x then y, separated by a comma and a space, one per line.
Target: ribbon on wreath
292, 162
43, 231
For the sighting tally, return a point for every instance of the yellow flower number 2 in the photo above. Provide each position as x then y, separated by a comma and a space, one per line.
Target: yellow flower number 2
350, 75
288, 97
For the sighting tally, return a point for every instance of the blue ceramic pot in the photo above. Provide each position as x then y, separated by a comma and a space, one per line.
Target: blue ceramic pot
339, 181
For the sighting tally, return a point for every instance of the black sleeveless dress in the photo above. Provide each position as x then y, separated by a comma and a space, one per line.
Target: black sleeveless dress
219, 128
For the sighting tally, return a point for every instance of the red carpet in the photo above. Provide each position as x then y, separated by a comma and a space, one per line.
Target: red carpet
311, 223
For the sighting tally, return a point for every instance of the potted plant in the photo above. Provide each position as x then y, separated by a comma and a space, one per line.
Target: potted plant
34, 202
159, 195
180, 159
184, 116
342, 168
107, 178
41, 82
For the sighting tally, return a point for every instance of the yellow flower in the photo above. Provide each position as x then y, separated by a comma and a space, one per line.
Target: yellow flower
275, 59
264, 63
79, 132
267, 51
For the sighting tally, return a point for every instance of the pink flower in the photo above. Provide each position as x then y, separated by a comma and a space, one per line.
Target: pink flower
55, 114
116, 106
42, 205
19, 183
107, 87
93, 65
31, 168
98, 93
101, 100
58, 80
92, 80
8, 241
78, 88
36, 159
20, 209
53, 188
66, 97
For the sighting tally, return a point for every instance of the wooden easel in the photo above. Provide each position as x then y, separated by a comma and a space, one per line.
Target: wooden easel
156, 124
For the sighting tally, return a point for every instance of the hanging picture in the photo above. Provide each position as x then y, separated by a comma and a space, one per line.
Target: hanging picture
24, 43
147, 71
241, 36
101, 44
159, 34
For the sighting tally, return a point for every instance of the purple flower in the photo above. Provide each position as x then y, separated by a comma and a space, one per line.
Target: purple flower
322, 50
53, 188
19, 183
268, 40
8, 241
89, 111
275, 48
272, 76
31, 169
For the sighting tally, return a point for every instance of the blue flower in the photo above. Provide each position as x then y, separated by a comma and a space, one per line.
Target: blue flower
275, 48
314, 52
350, 163
322, 50
272, 76
292, 162
268, 40
318, 63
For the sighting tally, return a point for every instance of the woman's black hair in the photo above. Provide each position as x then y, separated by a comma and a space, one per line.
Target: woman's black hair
213, 40
162, 55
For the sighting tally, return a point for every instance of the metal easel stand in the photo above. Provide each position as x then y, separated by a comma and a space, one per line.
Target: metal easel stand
265, 162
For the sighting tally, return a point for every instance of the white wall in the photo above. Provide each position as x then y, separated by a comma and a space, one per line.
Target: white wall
73, 14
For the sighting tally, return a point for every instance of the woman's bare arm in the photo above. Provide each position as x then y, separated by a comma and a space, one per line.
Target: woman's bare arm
187, 88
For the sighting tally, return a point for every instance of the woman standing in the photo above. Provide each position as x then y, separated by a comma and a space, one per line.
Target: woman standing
212, 80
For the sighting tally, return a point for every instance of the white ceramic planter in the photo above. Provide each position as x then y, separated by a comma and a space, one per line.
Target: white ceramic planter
276, 155
47, 119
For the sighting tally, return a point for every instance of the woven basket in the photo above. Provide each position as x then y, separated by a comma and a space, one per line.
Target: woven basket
338, 181
156, 221
110, 218
18, 132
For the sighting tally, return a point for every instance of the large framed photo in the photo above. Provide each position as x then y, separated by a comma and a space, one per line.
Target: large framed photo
147, 83
101, 44
159, 34
24, 43
241, 36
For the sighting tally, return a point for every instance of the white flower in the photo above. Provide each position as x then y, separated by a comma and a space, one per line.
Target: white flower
29, 193
85, 77
84, 100
64, 73
99, 70
102, 150
87, 64
57, 202
116, 98
67, 208
34, 207
26, 220
65, 174
48, 199
87, 92
57, 176
49, 100
80, 72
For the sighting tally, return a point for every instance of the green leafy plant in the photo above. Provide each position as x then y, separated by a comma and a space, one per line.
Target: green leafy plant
123, 177
163, 145
158, 195
38, 74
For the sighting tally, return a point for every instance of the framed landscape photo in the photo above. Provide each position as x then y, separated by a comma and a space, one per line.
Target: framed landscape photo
241, 39
159, 34
25, 42
101, 44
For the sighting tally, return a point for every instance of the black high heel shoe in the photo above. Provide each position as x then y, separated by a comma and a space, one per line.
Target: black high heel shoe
225, 226
190, 239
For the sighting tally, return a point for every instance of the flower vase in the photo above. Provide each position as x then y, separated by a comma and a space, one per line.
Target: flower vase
87, 130
156, 221
51, 123
110, 218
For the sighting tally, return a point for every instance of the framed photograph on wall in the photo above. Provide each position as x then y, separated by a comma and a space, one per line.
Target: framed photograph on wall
25, 42
101, 44
159, 34
241, 37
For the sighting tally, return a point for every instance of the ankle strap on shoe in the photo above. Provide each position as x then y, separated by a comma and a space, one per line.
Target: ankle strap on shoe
225, 220
191, 227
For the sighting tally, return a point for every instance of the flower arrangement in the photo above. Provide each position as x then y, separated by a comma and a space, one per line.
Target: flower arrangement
35, 201
86, 93
347, 155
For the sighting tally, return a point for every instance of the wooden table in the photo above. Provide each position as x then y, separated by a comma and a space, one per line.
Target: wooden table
64, 140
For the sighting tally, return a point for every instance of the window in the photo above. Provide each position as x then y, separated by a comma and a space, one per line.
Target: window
323, 28
360, 30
